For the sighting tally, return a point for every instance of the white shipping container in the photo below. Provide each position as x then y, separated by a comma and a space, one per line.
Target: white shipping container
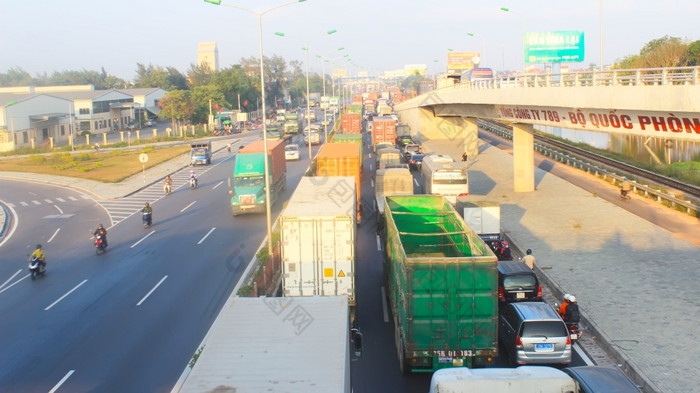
318, 238
530, 379
484, 217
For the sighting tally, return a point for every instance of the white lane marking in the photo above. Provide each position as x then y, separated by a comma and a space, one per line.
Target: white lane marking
72, 198
63, 297
370, 155
48, 201
416, 181
15, 222
218, 184
24, 203
186, 207
372, 181
59, 209
151, 291
85, 197
54, 235
385, 309
14, 283
11, 204
58, 385
207, 235
583, 355
370, 167
36, 202
379, 244
10, 279
60, 199
142, 239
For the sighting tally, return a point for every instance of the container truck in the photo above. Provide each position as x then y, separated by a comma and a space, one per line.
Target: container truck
351, 123
390, 181
484, 217
442, 283
268, 344
248, 185
200, 153
317, 237
342, 159
349, 138
383, 130
531, 379
389, 158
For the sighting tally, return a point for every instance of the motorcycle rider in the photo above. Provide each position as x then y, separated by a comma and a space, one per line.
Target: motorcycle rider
193, 176
40, 257
569, 311
147, 209
625, 188
503, 252
102, 232
167, 184
529, 259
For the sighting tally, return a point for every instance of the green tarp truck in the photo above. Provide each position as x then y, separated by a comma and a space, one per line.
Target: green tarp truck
442, 281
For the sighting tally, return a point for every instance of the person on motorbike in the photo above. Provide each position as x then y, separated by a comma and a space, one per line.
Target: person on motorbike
572, 313
564, 309
193, 176
102, 232
529, 259
504, 253
40, 257
167, 184
228, 147
625, 188
147, 210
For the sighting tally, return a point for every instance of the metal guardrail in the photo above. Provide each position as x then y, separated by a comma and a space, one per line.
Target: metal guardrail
639, 189
621, 77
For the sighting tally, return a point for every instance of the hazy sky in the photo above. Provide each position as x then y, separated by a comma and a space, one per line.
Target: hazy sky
43, 36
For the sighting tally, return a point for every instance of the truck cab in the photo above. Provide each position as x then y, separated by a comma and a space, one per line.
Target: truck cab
200, 153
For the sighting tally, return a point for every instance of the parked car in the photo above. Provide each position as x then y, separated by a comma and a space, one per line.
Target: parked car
517, 282
533, 333
416, 162
150, 123
291, 152
600, 379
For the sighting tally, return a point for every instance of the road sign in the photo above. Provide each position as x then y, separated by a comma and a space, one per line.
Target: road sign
143, 157
554, 47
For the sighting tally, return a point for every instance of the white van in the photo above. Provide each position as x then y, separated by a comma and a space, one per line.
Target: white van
531, 379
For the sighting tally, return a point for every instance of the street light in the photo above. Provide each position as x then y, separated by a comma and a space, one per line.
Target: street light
266, 166
483, 45
308, 106
323, 76
522, 30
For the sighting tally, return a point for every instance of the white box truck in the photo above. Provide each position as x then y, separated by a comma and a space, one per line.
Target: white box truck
530, 379
484, 217
291, 345
317, 237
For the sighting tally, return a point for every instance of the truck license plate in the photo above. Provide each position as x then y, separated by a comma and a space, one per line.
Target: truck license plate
544, 347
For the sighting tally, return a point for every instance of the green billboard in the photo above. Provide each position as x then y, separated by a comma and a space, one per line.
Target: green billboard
553, 47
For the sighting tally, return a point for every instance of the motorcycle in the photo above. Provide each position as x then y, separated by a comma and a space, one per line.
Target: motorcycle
193, 183
147, 219
573, 328
624, 195
100, 246
36, 268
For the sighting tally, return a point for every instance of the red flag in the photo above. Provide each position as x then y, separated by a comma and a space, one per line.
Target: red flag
245, 103
216, 107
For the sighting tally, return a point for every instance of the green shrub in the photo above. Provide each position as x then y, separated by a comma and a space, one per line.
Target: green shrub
37, 159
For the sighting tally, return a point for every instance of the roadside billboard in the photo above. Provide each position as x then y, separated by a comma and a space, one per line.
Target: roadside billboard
462, 60
340, 72
554, 47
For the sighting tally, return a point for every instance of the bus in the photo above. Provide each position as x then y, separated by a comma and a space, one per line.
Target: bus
443, 176
477, 74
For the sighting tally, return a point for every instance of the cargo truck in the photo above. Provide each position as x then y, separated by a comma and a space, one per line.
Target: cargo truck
248, 183
484, 217
291, 123
390, 181
351, 123
275, 344
317, 238
349, 138
442, 284
540, 379
342, 159
383, 130
200, 153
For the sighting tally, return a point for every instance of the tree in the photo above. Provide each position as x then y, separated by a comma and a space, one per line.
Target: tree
199, 75
153, 76
177, 106
15, 77
233, 82
663, 52
693, 55
200, 98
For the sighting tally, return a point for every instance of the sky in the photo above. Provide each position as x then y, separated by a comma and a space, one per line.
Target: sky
44, 36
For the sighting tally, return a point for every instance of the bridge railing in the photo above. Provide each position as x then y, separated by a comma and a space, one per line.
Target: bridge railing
622, 77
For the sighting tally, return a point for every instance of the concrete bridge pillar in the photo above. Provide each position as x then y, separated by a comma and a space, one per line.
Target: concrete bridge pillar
523, 158
471, 137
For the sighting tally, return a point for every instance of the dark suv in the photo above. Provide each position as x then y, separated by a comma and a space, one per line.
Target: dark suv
516, 282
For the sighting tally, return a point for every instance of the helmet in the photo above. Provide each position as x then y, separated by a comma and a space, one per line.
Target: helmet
528, 251
566, 296
572, 298
191, 171
504, 243
100, 226
38, 246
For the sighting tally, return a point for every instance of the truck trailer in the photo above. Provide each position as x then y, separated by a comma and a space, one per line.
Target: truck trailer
351, 123
383, 131
248, 183
443, 286
530, 379
317, 237
282, 345
342, 159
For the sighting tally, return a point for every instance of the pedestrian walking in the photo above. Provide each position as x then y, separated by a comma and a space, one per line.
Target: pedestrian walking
529, 259
464, 158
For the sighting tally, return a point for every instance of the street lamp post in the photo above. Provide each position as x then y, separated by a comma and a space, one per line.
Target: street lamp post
323, 76
266, 166
522, 31
308, 106
483, 46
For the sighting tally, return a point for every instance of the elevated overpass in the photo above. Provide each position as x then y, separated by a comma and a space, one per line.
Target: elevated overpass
658, 102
